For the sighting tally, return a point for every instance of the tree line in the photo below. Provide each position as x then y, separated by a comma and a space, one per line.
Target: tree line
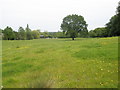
72, 26
22, 34
75, 25
112, 28
27, 34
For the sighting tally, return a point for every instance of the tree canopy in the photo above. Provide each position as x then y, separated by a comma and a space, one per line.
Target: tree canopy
113, 25
98, 32
28, 33
8, 33
22, 33
73, 24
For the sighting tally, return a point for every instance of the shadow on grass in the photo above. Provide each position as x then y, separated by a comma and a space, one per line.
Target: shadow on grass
70, 39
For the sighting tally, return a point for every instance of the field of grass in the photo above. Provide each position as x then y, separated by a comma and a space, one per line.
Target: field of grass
60, 63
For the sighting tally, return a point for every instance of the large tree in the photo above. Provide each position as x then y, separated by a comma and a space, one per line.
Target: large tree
22, 33
28, 33
118, 14
118, 9
8, 33
36, 34
73, 24
113, 26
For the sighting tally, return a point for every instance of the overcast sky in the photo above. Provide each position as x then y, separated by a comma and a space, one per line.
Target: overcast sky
48, 14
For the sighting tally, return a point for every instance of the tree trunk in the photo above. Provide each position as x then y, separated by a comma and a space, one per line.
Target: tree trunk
72, 38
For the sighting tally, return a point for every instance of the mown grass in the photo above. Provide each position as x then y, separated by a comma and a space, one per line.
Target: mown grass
61, 63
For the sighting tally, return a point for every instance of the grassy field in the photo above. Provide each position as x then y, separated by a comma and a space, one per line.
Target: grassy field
61, 63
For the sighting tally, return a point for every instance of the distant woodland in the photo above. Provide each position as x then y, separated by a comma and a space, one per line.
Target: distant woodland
72, 26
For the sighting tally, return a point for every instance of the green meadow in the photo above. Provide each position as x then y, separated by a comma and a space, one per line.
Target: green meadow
60, 63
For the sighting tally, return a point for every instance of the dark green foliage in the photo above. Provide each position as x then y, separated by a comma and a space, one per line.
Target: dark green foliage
73, 24
16, 35
113, 26
28, 33
22, 33
53, 34
36, 34
118, 8
92, 33
60, 34
98, 32
83, 34
8, 33
1, 34
45, 33
0, 30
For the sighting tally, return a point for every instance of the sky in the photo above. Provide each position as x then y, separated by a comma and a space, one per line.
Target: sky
47, 15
